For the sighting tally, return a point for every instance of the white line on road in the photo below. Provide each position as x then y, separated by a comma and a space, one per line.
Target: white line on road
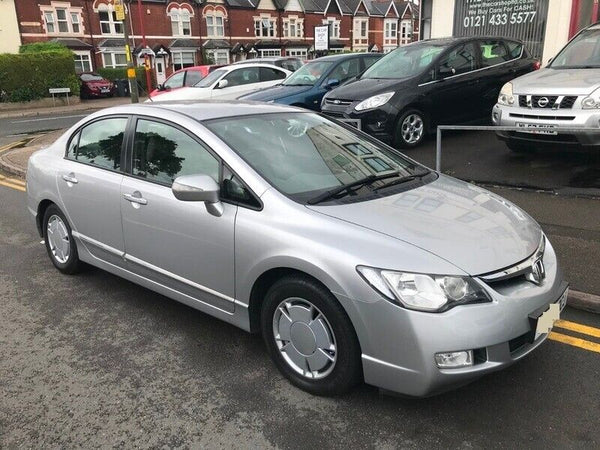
48, 118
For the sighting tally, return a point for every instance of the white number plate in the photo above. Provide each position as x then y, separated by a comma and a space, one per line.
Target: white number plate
535, 128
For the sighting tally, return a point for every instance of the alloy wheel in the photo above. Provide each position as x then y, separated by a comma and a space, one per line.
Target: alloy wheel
58, 239
304, 338
412, 128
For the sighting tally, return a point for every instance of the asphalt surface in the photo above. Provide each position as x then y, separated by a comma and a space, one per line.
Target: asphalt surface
95, 361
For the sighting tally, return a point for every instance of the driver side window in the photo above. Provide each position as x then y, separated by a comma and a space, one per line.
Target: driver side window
176, 81
242, 76
461, 59
345, 70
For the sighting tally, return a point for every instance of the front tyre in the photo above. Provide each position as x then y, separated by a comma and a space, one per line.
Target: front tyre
59, 241
411, 129
309, 337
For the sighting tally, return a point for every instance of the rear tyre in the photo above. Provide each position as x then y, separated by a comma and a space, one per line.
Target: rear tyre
59, 241
410, 129
310, 337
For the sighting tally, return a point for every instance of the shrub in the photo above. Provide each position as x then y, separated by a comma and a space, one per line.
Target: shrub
28, 76
44, 47
121, 73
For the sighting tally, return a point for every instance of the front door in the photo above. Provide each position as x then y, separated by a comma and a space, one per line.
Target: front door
89, 185
161, 73
177, 244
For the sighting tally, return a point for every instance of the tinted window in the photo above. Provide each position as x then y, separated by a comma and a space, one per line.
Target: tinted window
234, 190
269, 74
100, 143
370, 60
405, 61
290, 64
175, 81
308, 74
514, 49
493, 52
345, 70
162, 153
192, 77
239, 77
462, 59
90, 77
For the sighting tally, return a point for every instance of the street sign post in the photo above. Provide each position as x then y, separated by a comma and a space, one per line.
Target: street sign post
135, 98
119, 10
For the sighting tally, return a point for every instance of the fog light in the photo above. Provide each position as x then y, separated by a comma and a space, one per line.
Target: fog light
495, 117
452, 360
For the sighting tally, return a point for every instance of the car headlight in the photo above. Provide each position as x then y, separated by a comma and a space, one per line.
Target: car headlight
506, 96
592, 101
374, 102
423, 292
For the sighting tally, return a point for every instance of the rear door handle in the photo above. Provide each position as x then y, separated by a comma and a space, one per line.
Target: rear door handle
136, 197
70, 178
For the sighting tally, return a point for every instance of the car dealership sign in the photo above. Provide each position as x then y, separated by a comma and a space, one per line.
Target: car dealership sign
521, 19
322, 37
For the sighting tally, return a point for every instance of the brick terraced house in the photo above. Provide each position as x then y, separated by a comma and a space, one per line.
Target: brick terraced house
183, 33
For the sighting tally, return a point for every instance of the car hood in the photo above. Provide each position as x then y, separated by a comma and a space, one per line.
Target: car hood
364, 88
276, 92
558, 82
473, 229
185, 93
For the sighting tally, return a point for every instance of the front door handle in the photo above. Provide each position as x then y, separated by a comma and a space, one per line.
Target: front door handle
70, 178
136, 198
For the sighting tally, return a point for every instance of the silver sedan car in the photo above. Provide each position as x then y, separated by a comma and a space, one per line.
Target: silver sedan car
353, 261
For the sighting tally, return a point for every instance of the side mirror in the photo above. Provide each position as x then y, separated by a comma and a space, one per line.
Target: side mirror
198, 188
444, 72
332, 83
222, 84
161, 87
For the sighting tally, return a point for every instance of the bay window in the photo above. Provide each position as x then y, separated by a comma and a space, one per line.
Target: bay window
183, 58
114, 59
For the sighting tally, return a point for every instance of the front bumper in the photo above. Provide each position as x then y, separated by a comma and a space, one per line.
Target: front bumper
399, 345
561, 118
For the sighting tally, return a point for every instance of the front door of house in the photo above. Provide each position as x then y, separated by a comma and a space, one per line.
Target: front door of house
161, 74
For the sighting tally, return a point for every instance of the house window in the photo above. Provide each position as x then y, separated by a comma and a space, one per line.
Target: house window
83, 63
405, 32
49, 18
114, 60
391, 29
62, 20
215, 26
183, 59
75, 22
220, 56
293, 28
269, 52
108, 22
264, 27
180, 22
361, 31
297, 52
334, 27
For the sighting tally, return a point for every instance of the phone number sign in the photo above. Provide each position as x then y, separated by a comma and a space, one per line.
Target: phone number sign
520, 19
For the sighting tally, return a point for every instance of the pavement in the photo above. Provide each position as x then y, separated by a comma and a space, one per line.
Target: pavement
95, 361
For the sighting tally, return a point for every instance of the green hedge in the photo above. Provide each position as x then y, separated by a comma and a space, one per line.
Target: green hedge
44, 47
121, 73
28, 76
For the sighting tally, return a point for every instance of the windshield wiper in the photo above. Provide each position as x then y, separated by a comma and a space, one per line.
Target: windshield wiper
347, 188
405, 179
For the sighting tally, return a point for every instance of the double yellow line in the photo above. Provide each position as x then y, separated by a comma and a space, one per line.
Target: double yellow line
575, 341
12, 183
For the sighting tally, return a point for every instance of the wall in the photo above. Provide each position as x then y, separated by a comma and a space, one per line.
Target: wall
557, 30
442, 18
10, 39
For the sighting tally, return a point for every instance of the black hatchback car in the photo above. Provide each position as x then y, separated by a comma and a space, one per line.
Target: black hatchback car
410, 91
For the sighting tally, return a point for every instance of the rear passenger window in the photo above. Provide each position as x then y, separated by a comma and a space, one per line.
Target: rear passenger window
162, 153
100, 143
493, 52
460, 60
514, 49
269, 74
192, 77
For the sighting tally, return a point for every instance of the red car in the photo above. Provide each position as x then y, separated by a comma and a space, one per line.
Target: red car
95, 86
184, 77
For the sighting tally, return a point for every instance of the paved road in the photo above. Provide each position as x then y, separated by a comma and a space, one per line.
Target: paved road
93, 360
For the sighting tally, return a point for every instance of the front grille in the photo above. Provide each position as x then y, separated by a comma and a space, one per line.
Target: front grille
519, 342
334, 113
337, 102
547, 101
533, 116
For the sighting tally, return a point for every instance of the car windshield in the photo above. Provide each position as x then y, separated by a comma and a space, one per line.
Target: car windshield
210, 79
305, 154
406, 61
291, 64
90, 77
583, 52
308, 74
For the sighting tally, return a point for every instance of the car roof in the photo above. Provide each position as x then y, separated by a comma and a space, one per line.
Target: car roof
263, 64
454, 40
339, 56
201, 110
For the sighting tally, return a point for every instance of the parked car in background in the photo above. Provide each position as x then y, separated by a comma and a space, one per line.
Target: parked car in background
353, 261
95, 86
566, 94
287, 62
184, 77
307, 86
411, 90
230, 82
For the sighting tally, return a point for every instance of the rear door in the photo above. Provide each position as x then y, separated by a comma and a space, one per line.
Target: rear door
89, 184
239, 82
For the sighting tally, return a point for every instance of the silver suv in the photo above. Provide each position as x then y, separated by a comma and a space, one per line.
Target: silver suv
565, 94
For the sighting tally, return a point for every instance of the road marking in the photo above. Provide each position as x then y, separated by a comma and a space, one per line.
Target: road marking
48, 118
12, 180
577, 327
11, 145
13, 186
575, 342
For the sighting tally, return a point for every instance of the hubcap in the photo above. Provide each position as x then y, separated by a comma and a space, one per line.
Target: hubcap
58, 239
412, 128
304, 338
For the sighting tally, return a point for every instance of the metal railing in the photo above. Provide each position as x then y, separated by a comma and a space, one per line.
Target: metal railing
440, 128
